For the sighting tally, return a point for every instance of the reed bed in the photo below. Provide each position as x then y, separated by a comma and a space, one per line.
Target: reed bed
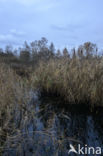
13, 99
76, 81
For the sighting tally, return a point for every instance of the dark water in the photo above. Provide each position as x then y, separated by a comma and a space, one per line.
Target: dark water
47, 129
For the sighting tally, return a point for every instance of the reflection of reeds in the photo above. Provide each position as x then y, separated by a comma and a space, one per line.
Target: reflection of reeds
76, 81
39, 140
45, 133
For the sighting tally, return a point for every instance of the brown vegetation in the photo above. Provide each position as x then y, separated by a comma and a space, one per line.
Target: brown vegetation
77, 81
75, 77
13, 99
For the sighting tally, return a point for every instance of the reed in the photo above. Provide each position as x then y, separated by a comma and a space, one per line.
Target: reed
76, 81
13, 99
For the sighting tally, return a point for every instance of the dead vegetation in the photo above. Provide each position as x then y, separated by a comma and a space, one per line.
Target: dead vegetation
77, 81
13, 99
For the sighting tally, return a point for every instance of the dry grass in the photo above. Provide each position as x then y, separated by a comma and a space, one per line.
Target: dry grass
77, 81
13, 99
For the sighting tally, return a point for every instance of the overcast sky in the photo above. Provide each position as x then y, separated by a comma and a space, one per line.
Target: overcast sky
65, 22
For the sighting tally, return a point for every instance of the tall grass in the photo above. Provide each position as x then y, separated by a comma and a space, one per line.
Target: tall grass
76, 81
13, 99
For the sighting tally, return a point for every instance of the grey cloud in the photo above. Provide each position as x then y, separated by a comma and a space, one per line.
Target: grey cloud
69, 27
59, 28
13, 37
17, 33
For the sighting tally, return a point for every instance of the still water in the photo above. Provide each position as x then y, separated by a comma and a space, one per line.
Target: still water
47, 128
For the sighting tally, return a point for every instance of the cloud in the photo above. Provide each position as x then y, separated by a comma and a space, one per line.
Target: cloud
8, 39
45, 7
17, 33
27, 2
59, 28
13, 37
35, 5
64, 22
68, 27
24, 2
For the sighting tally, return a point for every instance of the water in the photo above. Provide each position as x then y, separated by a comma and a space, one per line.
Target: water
47, 129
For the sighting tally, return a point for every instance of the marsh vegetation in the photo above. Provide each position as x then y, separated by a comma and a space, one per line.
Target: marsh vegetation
72, 81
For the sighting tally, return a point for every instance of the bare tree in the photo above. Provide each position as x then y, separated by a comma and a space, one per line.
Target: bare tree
90, 49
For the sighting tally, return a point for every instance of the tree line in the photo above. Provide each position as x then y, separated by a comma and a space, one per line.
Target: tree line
40, 50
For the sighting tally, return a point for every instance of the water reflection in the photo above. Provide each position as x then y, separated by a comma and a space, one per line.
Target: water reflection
47, 129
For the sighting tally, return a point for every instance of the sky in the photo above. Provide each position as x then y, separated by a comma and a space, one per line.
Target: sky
66, 23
